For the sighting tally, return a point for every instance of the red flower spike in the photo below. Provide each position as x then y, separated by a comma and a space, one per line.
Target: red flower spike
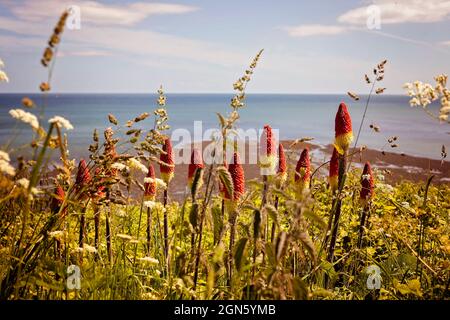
83, 178
268, 150
168, 168
237, 174
282, 166
100, 189
196, 163
367, 184
334, 170
268, 141
343, 129
303, 168
150, 187
58, 200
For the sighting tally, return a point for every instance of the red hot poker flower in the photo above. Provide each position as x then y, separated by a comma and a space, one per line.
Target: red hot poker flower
196, 163
282, 165
268, 151
83, 178
334, 170
150, 186
343, 129
367, 184
168, 168
303, 171
58, 200
237, 174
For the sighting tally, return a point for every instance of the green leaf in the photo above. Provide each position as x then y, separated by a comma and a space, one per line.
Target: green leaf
217, 223
193, 215
273, 212
226, 180
239, 253
196, 181
281, 246
256, 224
300, 289
221, 119
309, 245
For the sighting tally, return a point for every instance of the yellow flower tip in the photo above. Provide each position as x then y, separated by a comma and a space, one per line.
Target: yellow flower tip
333, 181
343, 141
301, 187
149, 198
167, 177
268, 162
281, 178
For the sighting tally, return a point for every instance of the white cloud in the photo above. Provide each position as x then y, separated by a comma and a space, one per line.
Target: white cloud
308, 30
95, 12
123, 40
402, 11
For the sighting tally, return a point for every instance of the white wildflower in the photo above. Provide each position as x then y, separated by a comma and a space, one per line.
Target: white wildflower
5, 166
58, 234
406, 205
124, 237
25, 117
61, 122
24, 183
149, 260
90, 249
159, 183
137, 165
158, 272
4, 156
118, 166
3, 76
149, 204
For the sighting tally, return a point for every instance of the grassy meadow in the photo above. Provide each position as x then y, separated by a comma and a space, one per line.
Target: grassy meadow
294, 234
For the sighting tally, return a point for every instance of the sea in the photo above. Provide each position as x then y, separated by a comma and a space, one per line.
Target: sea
295, 116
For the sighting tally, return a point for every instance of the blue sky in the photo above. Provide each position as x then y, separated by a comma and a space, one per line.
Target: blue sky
203, 46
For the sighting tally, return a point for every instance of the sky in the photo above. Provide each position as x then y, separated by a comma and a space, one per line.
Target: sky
203, 46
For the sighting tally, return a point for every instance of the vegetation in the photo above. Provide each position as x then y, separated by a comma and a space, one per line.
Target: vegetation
288, 235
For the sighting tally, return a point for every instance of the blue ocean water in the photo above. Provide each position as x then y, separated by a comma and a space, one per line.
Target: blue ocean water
295, 116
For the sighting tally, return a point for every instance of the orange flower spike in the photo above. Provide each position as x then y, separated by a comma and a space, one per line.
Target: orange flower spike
282, 165
303, 171
196, 163
343, 129
367, 184
58, 200
268, 151
237, 174
334, 171
150, 186
83, 178
168, 168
